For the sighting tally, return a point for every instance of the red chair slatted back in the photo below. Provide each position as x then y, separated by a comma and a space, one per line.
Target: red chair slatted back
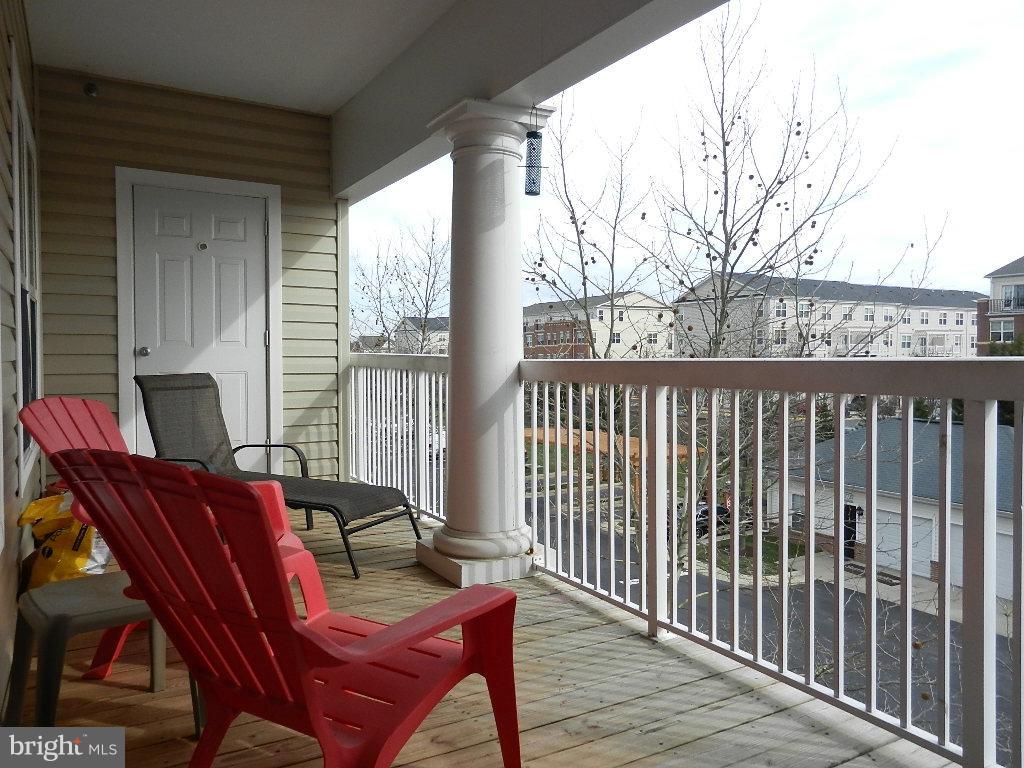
200, 549
61, 423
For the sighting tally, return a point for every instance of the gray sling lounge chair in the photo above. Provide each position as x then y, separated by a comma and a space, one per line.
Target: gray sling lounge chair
186, 420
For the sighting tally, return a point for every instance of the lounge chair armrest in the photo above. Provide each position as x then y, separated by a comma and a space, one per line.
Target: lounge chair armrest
303, 461
202, 464
455, 610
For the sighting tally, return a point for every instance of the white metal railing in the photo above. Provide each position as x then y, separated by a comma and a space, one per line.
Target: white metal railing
621, 454
399, 425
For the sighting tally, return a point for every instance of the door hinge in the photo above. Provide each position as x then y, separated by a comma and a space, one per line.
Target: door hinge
266, 338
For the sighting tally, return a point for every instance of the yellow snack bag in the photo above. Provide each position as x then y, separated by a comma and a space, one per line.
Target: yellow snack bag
65, 547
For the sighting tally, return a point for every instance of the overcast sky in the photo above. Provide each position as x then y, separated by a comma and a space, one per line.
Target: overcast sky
935, 87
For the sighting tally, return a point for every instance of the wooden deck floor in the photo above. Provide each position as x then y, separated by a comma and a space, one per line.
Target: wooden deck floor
593, 691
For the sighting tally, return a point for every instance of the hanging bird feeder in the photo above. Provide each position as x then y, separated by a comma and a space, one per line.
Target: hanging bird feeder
533, 166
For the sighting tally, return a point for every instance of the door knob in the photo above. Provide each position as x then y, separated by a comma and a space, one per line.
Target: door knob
144, 351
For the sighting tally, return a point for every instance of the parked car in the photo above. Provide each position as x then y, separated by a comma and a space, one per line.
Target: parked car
722, 517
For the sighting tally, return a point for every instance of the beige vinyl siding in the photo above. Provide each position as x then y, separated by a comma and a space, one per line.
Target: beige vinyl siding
12, 21
83, 139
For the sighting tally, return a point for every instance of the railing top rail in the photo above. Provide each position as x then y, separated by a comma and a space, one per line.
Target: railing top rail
975, 379
427, 363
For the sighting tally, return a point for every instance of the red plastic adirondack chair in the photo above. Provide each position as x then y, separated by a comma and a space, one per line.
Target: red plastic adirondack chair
201, 551
62, 423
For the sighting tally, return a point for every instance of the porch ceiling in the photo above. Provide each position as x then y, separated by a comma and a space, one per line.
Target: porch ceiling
312, 55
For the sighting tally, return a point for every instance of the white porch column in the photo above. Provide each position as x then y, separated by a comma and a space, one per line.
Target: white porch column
485, 538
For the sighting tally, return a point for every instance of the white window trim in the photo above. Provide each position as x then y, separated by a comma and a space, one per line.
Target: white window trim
27, 458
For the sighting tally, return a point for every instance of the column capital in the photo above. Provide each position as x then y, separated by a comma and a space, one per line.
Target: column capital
468, 112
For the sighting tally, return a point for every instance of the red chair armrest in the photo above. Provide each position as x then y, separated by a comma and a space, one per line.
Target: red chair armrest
452, 611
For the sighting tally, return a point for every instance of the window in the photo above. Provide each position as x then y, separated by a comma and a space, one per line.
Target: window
974, 319
958, 318
924, 317
847, 313
600, 314
1001, 330
529, 339
922, 342
956, 342
563, 337
652, 338
869, 314
798, 503
828, 315
828, 338
943, 318
780, 337
905, 318
887, 315
887, 339
668, 342
974, 342
760, 310
845, 340
621, 315
906, 341
26, 272
579, 337
803, 309
780, 309
616, 338
1013, 296
759, 337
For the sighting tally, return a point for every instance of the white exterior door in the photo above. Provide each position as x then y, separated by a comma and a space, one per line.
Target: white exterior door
200, 270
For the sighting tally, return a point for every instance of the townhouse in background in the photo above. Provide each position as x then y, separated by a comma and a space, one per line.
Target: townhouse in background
1001, 313
422, 336
627, 324
778, 317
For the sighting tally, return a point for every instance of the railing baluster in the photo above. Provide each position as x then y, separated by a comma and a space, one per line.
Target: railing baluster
870, 557
1017, 647
712, 502
558, 474
570, 413
657, 520
645, 493
422, 500
611, 489
691, 506
443, 415
627, 500
978, 670
597, 487
533, 463
674, 505
839, 543
906, 561
810, 463
945, 637
757, 491
783, 527
734, 524
584, 567
547, 486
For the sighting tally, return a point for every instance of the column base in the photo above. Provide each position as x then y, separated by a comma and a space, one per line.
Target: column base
466, 573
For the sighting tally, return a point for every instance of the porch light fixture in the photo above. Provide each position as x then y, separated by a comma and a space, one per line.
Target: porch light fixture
533, 166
